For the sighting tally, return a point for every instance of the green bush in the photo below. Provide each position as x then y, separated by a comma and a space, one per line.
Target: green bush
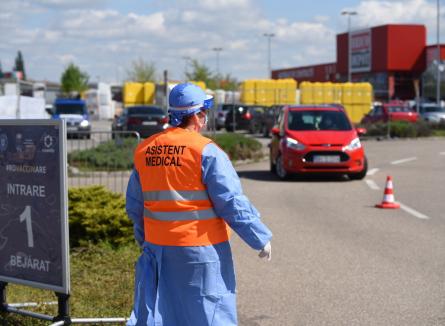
239, 147
400, 129
98, 215
113, 155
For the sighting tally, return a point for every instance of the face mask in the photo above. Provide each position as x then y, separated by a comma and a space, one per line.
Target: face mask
206, 119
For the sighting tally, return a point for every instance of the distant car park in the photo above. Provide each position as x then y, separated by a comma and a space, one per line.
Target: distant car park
247, 117
391, 111
432, 113
146, 120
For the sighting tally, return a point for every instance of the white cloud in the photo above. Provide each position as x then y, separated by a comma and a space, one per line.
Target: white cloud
66, 59
83, 32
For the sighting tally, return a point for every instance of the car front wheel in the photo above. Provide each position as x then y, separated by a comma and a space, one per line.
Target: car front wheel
280, 169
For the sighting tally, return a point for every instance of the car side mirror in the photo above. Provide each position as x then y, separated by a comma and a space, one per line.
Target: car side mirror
361, 131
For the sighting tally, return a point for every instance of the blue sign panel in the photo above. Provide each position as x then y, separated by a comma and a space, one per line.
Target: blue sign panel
33, 200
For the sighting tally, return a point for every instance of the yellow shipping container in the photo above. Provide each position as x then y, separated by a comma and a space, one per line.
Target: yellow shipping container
133, 93
260, 92
357, 93
248, 92
291, 92
347, 94
337, 89
306, 93
270, 91
328, 93
367, 93
317, 93
149, 93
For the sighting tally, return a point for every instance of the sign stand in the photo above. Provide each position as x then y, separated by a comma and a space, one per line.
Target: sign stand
64, 308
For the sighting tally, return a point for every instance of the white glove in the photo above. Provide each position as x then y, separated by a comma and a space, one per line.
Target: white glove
266, 252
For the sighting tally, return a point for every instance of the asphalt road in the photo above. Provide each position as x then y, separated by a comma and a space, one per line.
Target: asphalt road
337, 260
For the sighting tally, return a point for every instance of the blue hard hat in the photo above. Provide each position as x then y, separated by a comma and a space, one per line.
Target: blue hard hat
187, 99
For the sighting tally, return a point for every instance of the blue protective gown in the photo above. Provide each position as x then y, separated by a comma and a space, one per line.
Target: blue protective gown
194, 286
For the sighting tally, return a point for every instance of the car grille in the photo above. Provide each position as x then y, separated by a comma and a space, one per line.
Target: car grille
309, 157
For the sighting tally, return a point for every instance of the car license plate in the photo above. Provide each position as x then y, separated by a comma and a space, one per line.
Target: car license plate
326, 158
149, 123
71, 128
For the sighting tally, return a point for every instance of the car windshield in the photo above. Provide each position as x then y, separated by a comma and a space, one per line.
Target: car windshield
70, 109
393, 109
136, 110
318, 120
429, 109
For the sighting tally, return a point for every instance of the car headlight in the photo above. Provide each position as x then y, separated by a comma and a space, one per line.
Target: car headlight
294, 144
84, 123
353, 145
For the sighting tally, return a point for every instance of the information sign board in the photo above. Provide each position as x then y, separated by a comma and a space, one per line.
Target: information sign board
33, 204
361, 50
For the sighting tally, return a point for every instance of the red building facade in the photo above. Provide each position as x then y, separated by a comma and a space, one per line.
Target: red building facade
391, 57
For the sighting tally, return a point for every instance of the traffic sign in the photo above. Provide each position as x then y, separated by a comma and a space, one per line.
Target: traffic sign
33, 204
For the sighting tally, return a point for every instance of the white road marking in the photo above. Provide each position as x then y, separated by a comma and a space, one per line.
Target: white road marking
442, 153
413, 212
409, 159
371, 184
372, 171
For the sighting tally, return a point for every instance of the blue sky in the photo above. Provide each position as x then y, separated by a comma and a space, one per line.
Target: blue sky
103, 37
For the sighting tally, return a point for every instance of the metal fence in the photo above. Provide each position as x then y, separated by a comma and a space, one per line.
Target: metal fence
101, 158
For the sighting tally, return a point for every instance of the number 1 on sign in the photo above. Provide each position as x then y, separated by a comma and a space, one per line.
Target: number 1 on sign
26, 216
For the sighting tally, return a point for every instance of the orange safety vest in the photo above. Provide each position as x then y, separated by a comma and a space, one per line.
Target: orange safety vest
177, 208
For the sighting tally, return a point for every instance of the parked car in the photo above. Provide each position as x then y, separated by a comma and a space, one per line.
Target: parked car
269, 119
393, 111
75, 113
314, 139
146, 120
221, 113
432, 113
247, 117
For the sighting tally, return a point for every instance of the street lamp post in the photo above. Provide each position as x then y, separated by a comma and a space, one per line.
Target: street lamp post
186, 59
269, 66
438, 55
217, 50
349, 13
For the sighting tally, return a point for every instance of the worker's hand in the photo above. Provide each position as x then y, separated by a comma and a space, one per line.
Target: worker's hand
266, 252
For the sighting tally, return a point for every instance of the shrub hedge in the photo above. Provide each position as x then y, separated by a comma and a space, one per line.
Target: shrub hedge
400, 129
118, 156
113, 155
239, 147
97, 215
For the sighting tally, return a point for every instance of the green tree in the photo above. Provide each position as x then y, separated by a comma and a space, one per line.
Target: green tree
141, 71
74, 80
228, 83
1, 70
20, 64
201, 72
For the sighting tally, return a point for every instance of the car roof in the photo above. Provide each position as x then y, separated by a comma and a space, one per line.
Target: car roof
68, 101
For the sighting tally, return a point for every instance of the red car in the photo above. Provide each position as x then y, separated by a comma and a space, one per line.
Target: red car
316, 139
394, 111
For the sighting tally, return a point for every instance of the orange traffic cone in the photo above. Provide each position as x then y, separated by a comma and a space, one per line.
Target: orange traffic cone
388, 196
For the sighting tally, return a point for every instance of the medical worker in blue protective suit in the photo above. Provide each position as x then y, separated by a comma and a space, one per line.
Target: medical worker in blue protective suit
182, 283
